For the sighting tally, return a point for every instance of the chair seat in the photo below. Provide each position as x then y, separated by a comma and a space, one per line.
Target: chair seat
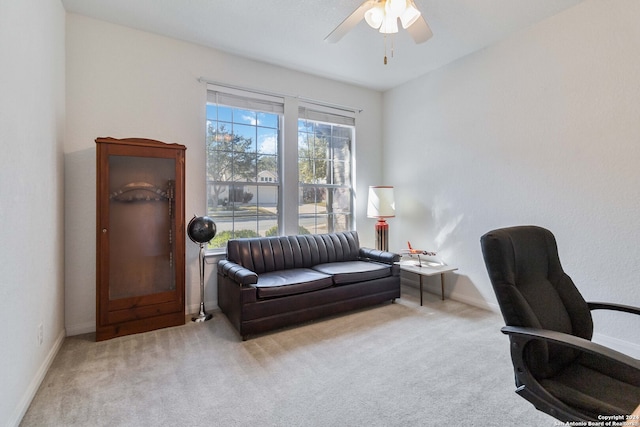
595, 388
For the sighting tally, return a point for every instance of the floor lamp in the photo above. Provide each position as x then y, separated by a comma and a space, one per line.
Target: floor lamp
381, 205
201, 230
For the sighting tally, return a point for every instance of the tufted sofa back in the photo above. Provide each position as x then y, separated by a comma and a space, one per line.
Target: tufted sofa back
264, 254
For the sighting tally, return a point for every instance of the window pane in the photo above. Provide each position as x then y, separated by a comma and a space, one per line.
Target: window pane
245, 138
312, 224
225, 114
339, 200
305, 126
218, 199
314, 200
342, 173
341, 223
212, 113
304, 148
267, 210
267, 168
268, 120
244, 116
324, 168
242, 172
244, 166
323, 130
267, 140
220, 164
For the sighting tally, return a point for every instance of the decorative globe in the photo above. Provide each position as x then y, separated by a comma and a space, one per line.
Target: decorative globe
201, 229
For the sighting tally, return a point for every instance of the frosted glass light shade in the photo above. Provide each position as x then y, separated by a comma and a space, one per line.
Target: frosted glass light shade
381, 203
409, 16
395, 7
389, 24
375, 16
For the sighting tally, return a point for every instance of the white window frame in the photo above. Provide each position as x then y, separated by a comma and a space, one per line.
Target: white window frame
288, 191
335, 119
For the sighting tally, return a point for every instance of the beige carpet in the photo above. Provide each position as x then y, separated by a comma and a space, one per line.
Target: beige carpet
443, 364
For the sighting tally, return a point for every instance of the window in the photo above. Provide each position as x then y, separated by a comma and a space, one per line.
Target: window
324, 168
242, 143
247, 150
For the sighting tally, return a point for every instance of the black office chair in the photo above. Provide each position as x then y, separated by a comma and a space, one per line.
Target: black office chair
557, 367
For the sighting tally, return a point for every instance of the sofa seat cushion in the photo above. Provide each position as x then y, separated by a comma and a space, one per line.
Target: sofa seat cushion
292, 281
347, 272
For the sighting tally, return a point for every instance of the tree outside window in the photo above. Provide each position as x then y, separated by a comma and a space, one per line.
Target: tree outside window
242, 148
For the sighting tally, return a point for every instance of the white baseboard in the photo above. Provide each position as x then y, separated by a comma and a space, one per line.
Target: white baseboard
36, 381
485, 305
89, 327
456, 296
81, 328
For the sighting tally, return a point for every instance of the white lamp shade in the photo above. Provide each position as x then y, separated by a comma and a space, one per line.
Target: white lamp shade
409, 16
389, 24
374, 16
395, 7
381, 203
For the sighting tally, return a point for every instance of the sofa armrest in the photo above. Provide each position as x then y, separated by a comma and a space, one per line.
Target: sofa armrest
237, 273
378, 256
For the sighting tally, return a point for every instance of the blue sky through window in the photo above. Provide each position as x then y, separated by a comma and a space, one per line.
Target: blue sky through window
259, 127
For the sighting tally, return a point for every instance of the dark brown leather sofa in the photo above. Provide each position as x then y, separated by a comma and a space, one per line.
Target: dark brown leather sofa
271, 282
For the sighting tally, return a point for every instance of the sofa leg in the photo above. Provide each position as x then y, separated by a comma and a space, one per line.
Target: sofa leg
393, 301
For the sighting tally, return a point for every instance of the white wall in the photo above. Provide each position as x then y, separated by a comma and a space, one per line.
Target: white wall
542, 128
31, 183
126, 83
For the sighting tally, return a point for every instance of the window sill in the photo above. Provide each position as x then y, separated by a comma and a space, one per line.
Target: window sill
216, 253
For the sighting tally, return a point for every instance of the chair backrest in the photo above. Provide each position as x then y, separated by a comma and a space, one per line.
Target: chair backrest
534, 291
264, 254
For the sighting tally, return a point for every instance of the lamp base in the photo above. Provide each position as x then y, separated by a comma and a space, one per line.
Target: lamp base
202, 317
382, 235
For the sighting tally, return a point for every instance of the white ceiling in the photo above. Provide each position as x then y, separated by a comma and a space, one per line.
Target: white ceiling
291, 33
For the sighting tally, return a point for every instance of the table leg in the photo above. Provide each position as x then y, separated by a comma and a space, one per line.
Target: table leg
442, 286
420, 289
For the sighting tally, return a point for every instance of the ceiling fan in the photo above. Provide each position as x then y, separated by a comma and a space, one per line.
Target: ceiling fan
383, 15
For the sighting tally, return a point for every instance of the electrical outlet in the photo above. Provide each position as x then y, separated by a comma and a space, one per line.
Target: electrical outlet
40, 334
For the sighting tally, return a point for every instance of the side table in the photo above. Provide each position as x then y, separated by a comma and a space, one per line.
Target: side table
424, 270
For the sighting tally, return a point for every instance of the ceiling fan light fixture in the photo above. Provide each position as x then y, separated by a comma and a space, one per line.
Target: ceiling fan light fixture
375, 16
389, 24
395, 7
410, 15
383, 15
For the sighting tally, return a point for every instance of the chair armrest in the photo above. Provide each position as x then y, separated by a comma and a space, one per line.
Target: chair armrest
239, 274
611, 306
378, 256
532, 390
524, 335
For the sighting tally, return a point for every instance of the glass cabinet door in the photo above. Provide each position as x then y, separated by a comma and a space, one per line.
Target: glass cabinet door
141, 235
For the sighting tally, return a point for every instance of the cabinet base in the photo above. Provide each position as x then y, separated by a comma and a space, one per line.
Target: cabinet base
107, 332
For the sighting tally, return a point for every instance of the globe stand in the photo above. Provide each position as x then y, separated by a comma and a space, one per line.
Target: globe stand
202, 315
201, 230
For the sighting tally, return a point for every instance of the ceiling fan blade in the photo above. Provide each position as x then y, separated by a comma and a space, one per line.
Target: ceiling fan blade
420, 31
350, 22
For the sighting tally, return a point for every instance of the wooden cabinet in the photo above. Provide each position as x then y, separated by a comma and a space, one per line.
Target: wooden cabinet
140, 235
